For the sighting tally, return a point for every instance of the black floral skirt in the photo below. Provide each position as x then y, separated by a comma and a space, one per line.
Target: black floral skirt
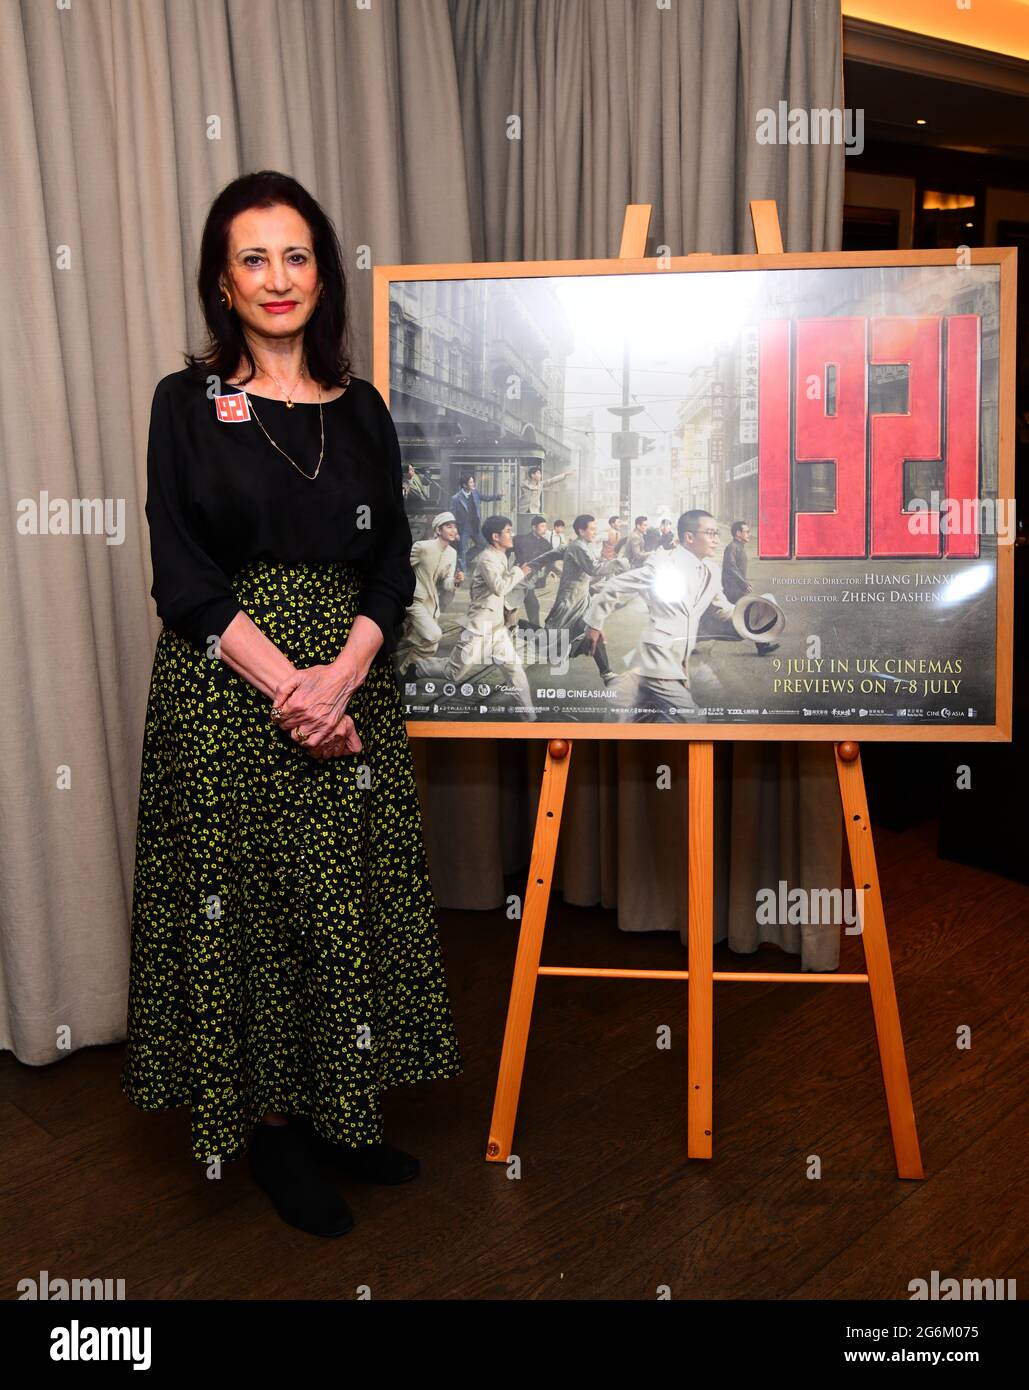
285, 954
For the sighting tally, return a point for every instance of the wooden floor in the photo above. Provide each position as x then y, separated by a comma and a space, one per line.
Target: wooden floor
606, 1206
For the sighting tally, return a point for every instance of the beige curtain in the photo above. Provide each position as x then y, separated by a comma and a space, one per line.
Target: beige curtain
120, 123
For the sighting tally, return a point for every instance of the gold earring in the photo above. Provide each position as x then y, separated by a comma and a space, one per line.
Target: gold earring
226, 299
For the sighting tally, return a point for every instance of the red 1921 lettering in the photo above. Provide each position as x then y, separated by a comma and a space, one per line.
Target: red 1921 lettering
868, 450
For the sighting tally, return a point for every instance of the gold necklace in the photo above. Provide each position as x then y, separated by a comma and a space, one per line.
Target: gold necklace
289, 394
310, 477
321, 420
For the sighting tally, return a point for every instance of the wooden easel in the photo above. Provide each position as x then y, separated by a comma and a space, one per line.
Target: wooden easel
701, 975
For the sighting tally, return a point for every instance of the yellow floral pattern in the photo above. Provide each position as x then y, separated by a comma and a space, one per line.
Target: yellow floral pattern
285, 954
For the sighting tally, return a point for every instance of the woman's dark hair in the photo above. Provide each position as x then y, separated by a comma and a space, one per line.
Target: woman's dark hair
325, 335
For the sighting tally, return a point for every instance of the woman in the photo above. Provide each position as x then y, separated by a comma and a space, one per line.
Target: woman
285, 961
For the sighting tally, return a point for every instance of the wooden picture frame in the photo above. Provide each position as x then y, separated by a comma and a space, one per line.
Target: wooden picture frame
999, 729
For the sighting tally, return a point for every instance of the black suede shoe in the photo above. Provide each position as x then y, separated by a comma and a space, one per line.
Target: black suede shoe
375, 1163
283, 1164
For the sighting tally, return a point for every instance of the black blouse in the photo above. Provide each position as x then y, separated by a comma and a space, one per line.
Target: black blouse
219, 496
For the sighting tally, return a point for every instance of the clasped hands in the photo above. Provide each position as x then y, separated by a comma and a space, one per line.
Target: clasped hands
310, 705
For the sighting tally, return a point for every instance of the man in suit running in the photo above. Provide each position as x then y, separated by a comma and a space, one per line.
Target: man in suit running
485, 640
466, 504
678, 586
434, 562
734, 575
526, 549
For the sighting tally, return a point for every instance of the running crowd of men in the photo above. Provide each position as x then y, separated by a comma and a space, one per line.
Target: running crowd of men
670, 569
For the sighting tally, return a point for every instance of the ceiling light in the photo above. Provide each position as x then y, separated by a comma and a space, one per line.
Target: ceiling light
936, 201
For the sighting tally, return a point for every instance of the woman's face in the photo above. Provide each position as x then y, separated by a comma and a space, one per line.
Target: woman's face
271, 273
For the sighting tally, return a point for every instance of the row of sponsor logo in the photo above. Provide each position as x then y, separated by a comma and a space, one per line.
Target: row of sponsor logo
448, 688
945, 713
482, 688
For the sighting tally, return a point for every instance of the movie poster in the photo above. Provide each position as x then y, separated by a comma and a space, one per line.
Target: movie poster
747, 497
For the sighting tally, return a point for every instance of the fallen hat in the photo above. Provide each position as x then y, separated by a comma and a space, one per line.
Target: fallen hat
759, 617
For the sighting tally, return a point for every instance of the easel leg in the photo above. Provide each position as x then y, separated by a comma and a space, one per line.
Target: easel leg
700, 1020
530, 946
878, 963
